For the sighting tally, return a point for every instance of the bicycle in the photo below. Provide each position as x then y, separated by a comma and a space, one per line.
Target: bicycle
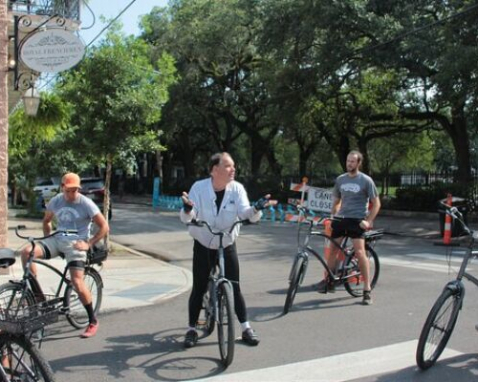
442, 318
20, 359
348, 271
218, 301
28, 289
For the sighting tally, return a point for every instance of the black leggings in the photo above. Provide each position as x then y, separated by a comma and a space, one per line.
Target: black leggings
203, 260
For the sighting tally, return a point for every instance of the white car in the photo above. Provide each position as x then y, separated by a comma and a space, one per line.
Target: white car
48, 188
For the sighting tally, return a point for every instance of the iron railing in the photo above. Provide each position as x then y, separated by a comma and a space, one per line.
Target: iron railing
68, 9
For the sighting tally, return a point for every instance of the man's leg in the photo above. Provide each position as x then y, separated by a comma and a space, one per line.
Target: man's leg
364, 265
327, 285
38, 254
78, 282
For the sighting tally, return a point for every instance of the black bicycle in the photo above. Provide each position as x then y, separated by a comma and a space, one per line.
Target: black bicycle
20, 359
347, 272
218, 301
29, 291
442, 318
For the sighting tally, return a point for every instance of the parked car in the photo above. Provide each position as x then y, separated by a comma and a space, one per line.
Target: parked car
47, 188
94, 188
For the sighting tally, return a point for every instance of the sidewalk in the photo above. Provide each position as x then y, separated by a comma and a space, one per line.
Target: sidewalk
131, 279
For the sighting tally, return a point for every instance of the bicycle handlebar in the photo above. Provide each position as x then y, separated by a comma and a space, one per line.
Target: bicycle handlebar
202, 223
68, 232
456, 214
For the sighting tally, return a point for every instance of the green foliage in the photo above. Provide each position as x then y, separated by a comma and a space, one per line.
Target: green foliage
26, 132
116, 97
419, 198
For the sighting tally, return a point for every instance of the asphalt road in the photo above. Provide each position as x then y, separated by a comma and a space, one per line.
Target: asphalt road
324, 337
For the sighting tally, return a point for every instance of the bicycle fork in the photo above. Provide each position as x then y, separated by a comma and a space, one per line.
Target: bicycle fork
301, 255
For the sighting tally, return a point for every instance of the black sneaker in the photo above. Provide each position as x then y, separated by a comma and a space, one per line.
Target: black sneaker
325, 287
250, 337
367, 298
191, 339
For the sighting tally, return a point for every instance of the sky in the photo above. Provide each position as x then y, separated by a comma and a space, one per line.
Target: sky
111, 9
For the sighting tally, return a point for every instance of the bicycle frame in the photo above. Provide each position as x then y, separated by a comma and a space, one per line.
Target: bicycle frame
456, 286
340, 273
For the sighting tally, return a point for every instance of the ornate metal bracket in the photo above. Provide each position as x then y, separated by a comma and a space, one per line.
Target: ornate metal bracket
25, 79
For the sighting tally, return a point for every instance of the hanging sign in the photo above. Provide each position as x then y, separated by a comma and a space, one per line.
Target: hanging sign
53, 50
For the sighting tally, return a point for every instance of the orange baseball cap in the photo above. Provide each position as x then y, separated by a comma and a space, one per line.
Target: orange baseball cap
71, 180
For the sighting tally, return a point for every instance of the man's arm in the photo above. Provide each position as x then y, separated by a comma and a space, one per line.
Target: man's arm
374, 211
103, 229
335, 205
47, 219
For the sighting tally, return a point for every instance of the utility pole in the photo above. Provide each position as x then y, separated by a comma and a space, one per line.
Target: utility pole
3, 123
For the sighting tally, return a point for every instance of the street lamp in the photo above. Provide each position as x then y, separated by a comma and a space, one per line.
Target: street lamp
31, 101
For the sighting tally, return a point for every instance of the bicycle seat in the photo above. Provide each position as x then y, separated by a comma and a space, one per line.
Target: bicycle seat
7, 257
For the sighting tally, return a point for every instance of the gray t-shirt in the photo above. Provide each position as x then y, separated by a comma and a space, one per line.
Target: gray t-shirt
73, 216
355, 193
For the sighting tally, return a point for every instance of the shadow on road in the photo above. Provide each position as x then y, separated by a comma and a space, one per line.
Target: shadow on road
158, 356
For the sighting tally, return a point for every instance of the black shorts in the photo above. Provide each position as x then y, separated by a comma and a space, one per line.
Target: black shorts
342, 227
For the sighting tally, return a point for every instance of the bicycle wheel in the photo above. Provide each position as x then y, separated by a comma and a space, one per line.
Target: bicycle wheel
76, 312
22, 361
438, 328
353, 280
225, 325
295, 278
11, 299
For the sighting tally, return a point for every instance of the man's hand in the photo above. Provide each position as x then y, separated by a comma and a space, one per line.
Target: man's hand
187, 204
366, 225
264, 202
81, 245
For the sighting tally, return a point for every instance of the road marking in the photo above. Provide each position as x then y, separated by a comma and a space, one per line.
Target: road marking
338, 368
400, 262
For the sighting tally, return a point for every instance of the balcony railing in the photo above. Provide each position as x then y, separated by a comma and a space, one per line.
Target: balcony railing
68, 9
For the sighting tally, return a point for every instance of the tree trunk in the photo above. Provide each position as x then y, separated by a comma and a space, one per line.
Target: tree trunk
3, 124
461, 143
106, 202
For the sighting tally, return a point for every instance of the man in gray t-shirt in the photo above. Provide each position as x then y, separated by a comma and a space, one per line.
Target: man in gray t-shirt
73, 212
352, 194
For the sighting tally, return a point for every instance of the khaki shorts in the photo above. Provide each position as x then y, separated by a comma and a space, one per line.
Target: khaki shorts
53, 247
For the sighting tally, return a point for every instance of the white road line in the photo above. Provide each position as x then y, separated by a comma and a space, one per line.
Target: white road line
401, 262
338, 368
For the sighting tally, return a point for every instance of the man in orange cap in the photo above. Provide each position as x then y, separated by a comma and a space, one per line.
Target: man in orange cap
72, 211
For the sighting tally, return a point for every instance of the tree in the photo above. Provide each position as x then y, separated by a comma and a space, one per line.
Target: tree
437, 59
117, 97
221, 84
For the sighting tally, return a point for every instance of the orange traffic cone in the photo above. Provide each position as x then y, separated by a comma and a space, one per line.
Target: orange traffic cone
447, 227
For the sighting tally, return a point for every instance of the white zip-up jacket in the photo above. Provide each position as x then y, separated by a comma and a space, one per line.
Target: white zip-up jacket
235, 206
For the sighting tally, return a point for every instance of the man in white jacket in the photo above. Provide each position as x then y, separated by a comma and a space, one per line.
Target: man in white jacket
220, 201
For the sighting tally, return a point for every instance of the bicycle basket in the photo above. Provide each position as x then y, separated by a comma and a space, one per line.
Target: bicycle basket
23, 318
98, 255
